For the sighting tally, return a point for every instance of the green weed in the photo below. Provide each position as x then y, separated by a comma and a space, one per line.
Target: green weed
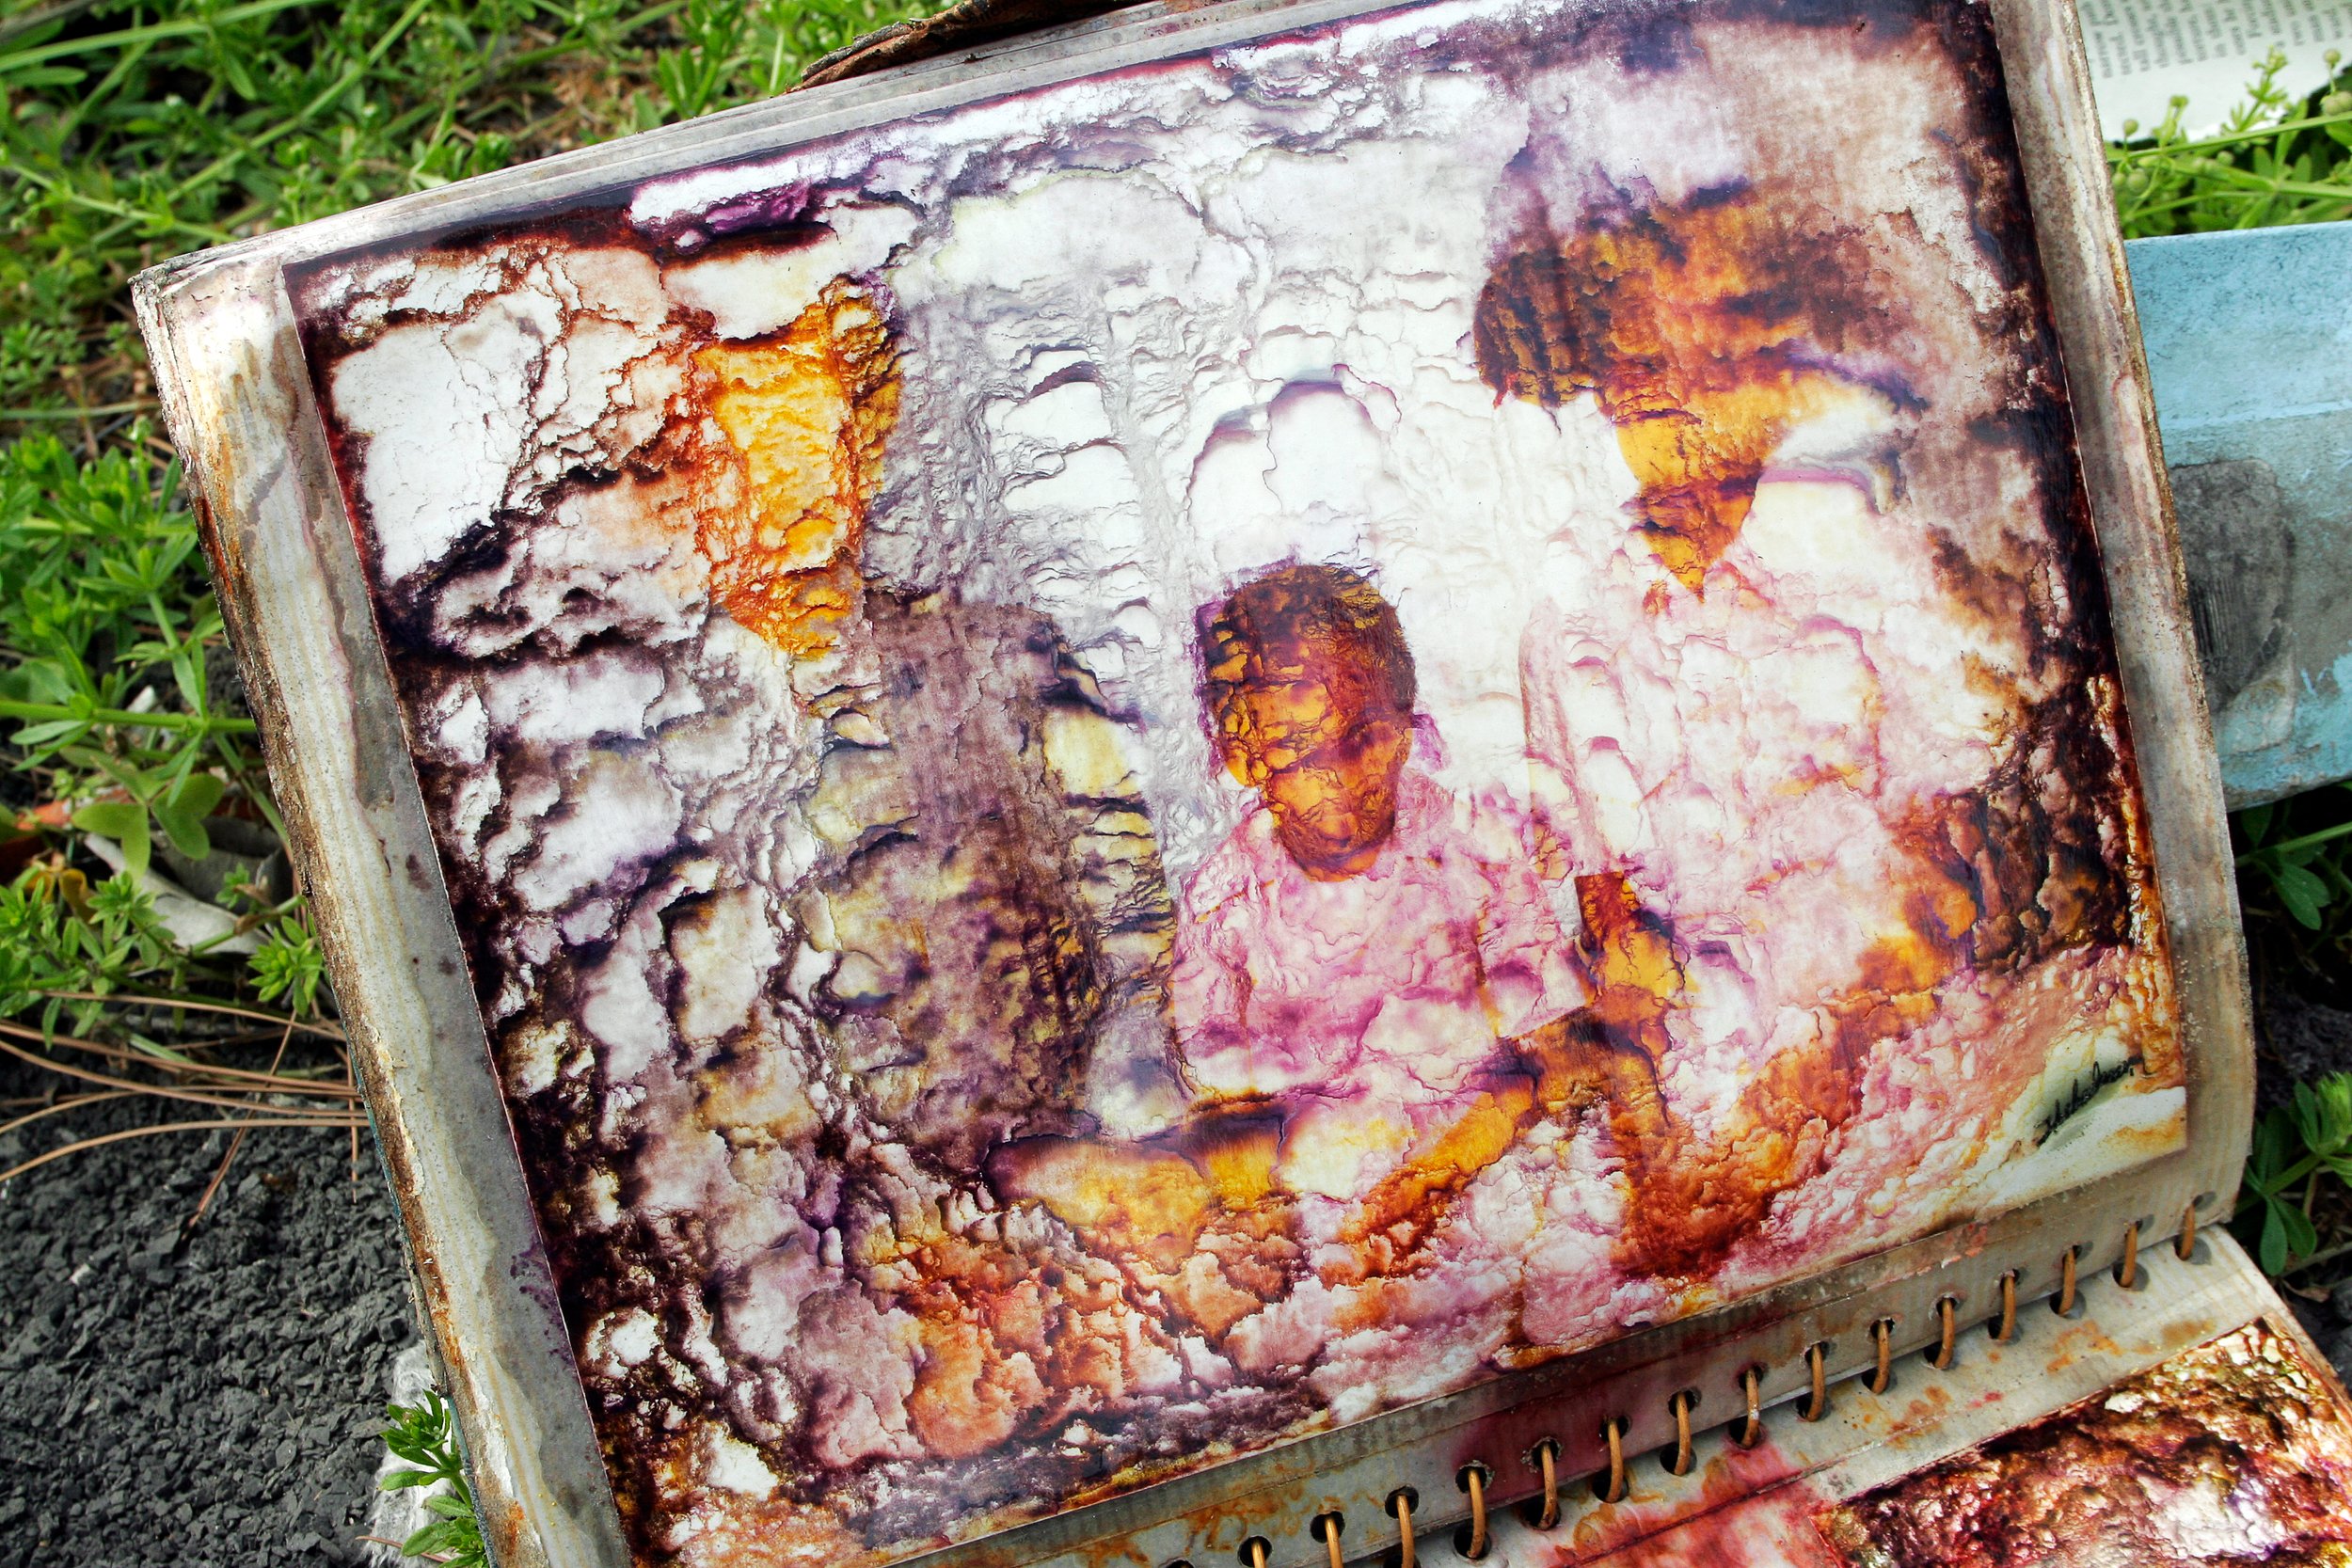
2294, 886
109, 632
2276, 160
425, 1436
2293, 1148
135, 131
287, 967
61, 938
2304, 872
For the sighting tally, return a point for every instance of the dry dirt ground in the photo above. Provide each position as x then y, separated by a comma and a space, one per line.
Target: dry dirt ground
173, 1401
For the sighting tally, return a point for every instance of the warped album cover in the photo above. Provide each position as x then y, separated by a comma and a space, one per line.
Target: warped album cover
1158, 761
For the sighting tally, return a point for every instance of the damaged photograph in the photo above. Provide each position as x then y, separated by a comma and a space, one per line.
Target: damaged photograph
1161, 761
2233, 1454
2238, 1451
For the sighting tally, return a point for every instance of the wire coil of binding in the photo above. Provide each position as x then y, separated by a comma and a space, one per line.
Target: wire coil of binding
1744, 1427
1749, 1430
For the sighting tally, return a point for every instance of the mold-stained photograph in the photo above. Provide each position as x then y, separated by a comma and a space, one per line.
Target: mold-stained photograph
1156, 763
2236, 1452
2232, 1453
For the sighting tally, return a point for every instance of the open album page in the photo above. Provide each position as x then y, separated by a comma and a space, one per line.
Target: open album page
1162, 761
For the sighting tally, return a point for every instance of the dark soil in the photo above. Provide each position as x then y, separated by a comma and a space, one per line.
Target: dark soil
197, 1401
2300, 1042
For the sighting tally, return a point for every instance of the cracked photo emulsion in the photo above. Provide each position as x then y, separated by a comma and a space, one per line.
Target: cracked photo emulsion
1166, 760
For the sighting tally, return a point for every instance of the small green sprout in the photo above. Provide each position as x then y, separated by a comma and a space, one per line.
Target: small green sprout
2276, 158
425, 1436
288, 965
2294, 1146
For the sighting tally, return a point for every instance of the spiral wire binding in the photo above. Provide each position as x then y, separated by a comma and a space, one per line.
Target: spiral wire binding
1612, 1432
1548, 1461
1743, 1431
1947, 1332
1816, 1363
1882, 1375
1326, 1528
2005, 1330
1472, 1478
1684, 1456
1749, 1430
1401, 1503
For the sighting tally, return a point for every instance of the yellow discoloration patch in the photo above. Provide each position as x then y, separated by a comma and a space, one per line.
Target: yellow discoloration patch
807, 413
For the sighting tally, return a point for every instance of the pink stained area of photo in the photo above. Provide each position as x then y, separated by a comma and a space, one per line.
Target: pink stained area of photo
1394, 987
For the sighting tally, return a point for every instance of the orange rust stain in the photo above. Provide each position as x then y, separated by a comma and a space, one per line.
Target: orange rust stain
964, 1403
1696, 1196
1699, 329
1926, 1408
1637, 980
1402, 1209
1125, 1200
1001, 1349
805, 413
1197, 1216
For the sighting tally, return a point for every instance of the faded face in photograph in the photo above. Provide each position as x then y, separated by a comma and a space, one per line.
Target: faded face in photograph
1316, 735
